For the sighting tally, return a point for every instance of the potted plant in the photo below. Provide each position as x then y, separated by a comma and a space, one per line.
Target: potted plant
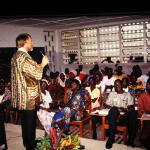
60, 141
43, 143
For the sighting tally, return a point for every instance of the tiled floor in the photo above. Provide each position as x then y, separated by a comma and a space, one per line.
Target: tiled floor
14, 140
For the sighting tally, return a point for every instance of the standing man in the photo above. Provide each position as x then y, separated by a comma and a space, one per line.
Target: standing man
26, 94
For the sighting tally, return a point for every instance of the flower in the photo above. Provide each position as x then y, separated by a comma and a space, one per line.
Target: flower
57, 140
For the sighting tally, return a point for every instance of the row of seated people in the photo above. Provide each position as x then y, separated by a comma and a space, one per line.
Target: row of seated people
133, 88
117, 101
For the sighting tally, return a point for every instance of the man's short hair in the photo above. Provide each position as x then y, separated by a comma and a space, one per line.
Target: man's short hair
21, 39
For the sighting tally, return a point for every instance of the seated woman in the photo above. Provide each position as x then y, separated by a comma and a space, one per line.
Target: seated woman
76, 99
43, 113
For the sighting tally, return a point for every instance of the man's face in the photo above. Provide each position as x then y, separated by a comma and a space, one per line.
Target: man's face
29, 44
71, 75
62, 76
118, 86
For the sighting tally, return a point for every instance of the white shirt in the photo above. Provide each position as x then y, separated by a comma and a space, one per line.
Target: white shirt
144, 79
22, 49
46, 99
119, 100
107, 82
126, 89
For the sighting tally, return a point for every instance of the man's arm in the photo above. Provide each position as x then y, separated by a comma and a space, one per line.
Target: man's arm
140, 106
32, 69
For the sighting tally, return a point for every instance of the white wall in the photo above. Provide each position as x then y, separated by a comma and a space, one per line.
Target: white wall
8, 35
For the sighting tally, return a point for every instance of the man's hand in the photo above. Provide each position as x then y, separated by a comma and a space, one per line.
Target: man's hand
44, 61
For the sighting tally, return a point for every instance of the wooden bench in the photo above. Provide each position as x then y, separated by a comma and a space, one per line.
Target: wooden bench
105, 126
82, 123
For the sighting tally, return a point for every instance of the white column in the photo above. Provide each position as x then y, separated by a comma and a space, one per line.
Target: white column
59, 51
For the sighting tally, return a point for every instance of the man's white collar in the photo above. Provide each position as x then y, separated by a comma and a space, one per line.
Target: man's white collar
22, 49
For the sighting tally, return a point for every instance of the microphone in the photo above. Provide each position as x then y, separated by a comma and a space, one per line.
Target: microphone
42, 53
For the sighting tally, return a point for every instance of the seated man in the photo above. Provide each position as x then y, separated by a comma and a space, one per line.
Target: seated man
144, 108
121, 105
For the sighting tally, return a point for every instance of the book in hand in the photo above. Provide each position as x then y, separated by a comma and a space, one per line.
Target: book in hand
101, 112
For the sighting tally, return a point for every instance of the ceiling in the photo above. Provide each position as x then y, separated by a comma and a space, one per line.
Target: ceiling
71, 14
64, 22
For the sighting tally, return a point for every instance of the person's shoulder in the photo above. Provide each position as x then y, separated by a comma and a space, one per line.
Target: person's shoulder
20, 55
105, 77
127, 93
145, 94
113, 93
114, 77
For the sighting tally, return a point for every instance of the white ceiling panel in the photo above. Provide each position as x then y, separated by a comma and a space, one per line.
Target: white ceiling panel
66, 22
